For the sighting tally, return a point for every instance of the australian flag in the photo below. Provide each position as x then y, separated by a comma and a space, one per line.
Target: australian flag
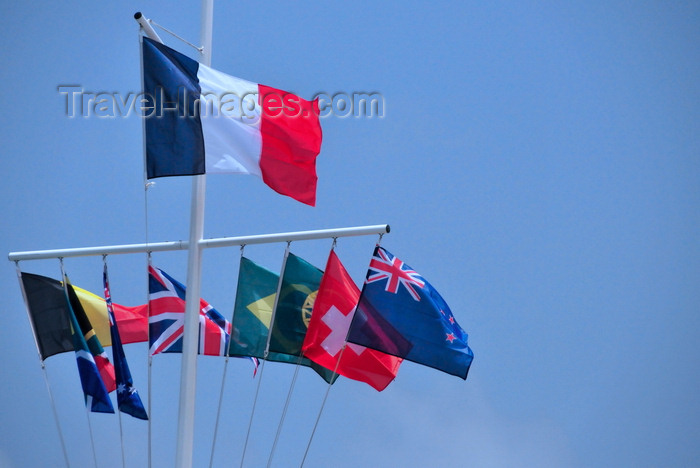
400, 313
166, 319
128, 399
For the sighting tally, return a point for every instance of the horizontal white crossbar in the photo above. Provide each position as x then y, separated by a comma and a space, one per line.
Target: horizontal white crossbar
205, 243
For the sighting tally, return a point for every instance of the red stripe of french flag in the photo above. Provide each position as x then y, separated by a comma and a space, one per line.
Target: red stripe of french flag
291, 140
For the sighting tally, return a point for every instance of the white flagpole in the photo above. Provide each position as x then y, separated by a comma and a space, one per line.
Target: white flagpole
147, 28
190, 339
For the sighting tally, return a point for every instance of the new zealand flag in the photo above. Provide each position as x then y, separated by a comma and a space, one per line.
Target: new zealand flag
400, 313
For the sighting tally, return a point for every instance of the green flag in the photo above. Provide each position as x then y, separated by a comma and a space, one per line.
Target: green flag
255, 300
300, 285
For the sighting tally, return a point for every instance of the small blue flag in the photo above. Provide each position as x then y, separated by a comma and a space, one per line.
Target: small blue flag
128, 400
400, 313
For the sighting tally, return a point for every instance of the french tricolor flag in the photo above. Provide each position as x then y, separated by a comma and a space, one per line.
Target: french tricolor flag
202, 121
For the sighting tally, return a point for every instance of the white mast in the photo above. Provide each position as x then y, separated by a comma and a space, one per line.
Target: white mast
195, 247
190, 339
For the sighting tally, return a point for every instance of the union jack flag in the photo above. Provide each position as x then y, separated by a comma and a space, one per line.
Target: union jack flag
166, 318
385, 266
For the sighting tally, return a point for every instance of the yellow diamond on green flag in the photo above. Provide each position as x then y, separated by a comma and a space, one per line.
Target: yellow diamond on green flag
262, 309
255, 298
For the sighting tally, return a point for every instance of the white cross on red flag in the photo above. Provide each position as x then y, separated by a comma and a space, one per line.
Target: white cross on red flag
325, 338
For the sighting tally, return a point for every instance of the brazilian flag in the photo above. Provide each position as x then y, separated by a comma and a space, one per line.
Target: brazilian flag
255, 300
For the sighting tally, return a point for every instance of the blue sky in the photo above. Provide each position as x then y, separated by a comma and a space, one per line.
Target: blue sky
538, 163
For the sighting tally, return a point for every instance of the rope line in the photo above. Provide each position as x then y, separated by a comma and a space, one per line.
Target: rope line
150, 372
284, 411
198, 49
119, 413
323, 405
146, 186
121, 438
267, 348
218, 413
150, 410
252, 412
55, 415
92, 440
221, 396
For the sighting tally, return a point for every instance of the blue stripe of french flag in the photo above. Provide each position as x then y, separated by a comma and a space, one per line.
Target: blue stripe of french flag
202, 121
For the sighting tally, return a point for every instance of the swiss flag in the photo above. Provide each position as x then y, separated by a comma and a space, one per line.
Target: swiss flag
328, 327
